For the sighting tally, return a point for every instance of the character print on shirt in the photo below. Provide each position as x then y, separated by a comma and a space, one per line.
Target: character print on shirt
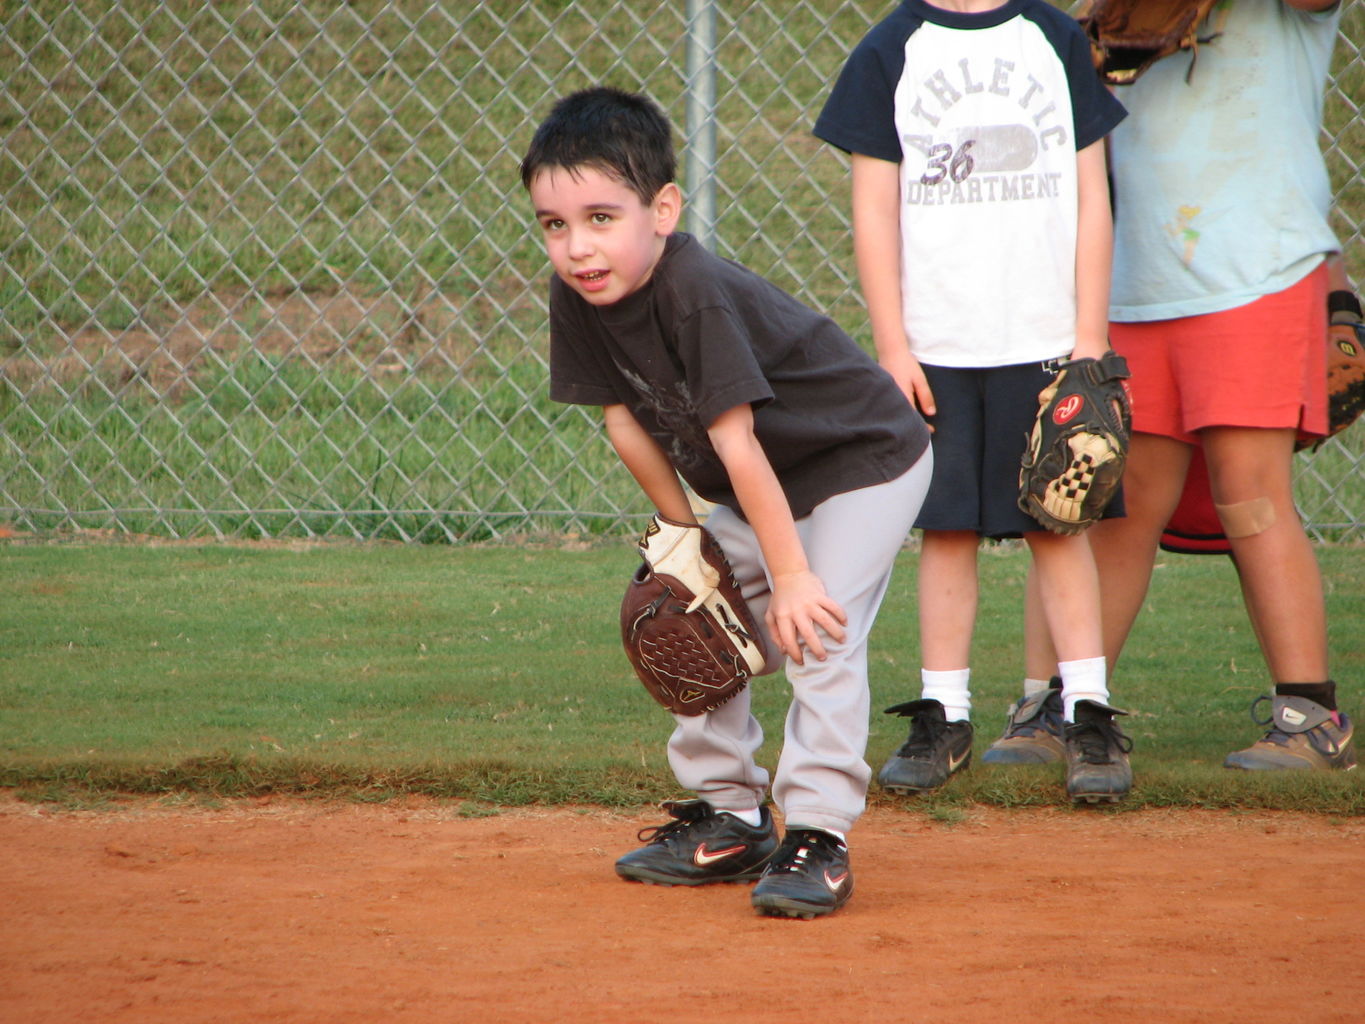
672, 405
1184, 231
964, 162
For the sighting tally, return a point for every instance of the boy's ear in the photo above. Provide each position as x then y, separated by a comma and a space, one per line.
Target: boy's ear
667, 209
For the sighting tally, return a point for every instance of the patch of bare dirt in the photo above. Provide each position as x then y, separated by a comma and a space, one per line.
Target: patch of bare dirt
170, 346
298, 911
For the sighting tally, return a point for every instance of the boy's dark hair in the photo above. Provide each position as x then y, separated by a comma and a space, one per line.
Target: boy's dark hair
624, 135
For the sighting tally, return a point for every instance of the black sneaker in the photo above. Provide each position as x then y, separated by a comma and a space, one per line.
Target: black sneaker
936, 749
699, 846
1097, 769
807, 877
1033, 731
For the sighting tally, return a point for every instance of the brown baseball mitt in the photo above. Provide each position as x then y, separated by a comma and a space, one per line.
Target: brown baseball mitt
1129, 36
686, 628
1345, 366
1345, 362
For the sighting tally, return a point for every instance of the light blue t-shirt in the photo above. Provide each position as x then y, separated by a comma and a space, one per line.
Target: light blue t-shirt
1220, 188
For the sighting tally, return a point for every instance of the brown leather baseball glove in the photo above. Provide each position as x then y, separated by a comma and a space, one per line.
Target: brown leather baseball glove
1129, 36
686, 628
1345, 362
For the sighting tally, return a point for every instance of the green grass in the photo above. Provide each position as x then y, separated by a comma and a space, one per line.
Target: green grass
494, 674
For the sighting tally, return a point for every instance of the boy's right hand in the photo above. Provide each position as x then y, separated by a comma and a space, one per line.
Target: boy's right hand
798, 610
909, 376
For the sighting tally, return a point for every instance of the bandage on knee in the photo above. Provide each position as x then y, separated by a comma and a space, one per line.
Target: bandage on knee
1246, 518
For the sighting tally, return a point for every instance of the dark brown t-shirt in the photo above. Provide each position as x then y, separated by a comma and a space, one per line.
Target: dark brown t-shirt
705, 334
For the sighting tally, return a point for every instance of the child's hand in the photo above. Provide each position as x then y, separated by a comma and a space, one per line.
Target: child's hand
909, 376
798, 609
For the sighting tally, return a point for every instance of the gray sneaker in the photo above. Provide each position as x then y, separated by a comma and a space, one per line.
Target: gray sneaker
1097, 769
1033, 732
1302, 735
935, 750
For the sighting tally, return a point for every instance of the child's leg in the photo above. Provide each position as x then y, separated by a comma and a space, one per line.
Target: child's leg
1251, 475
1034, 724
1040, 660
1095, 748
1125, 549
947, 617
1069, 592
851, 541
713, 754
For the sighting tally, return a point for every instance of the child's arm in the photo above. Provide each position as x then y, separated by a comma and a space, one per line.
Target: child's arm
877, 250
799, 603
1094, 253
647, 463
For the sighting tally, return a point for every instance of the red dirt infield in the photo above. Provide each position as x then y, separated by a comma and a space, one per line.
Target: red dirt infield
287, 910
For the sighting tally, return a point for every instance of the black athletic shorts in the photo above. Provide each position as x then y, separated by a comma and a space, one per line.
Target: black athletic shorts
981, 431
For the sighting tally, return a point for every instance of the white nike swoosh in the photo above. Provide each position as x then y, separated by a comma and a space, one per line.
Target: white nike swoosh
705, 857
835, 884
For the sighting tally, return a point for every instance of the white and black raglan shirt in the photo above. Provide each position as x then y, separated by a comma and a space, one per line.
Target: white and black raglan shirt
985, 114
704, 335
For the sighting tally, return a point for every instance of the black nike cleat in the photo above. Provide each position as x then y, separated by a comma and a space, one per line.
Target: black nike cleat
807, 877
936, 749
1097, 768
699, 846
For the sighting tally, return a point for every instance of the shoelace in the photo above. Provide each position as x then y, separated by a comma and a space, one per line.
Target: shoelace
1046, 720
1095, 739
1274, 734
1318, 737
685, 820
925, 732
809, 847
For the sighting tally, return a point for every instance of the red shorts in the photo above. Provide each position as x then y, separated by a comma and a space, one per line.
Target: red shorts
1260, 365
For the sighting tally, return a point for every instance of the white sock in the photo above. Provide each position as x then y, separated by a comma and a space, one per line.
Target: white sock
1032, 686
950, 690
752, 817
820, 828
1083, 679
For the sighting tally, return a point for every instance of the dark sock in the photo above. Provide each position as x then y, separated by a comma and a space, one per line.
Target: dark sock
1320, 693
1343, 302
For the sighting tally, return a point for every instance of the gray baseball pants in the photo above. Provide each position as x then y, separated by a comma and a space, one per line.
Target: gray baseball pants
851, 542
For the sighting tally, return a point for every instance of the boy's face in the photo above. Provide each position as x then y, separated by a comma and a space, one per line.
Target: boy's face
602, 240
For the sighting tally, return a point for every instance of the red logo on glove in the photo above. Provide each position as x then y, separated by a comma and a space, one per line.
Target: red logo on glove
1067, 409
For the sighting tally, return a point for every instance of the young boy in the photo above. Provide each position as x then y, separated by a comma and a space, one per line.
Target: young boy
815, 460
983, 240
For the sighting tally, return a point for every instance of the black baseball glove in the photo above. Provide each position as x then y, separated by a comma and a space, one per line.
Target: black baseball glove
1079, 444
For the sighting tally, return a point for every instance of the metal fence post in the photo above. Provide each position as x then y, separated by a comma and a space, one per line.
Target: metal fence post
701, 120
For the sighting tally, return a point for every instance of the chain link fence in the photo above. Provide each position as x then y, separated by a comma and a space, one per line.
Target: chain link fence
268, 270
